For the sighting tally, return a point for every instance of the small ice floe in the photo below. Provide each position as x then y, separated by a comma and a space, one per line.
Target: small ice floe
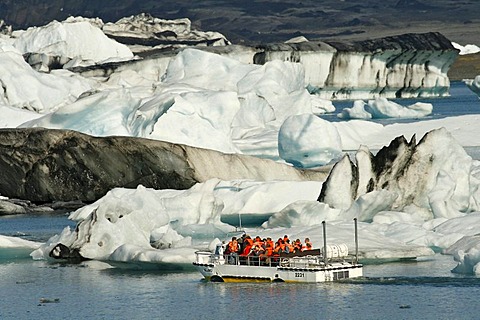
382, 108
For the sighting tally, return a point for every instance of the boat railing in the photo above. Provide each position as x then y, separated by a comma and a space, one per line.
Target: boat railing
292, 260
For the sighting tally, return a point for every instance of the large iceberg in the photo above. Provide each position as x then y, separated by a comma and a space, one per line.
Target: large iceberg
410, 65
432, 178
66, 41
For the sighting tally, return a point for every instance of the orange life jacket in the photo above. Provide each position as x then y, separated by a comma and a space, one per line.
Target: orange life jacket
247, 250
269, 248
308, 246
279, 248
233, 246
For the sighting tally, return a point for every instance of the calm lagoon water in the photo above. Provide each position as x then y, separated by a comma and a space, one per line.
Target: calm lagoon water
424, 289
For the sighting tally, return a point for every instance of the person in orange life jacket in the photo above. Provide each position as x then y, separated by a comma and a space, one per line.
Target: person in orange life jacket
248, 246
308, 244
269, 247
289, 247
232, 246
279, 247
258, 246
241, 242
297, 246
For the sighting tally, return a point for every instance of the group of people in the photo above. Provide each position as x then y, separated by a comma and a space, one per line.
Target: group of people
247, 246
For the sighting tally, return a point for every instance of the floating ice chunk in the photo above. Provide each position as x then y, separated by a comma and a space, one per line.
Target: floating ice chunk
389, 217
102, 113
382, 108
205, 117
15, 247
474, 84
13, 117
16, 242
356, 112
466, 49
466, 252
277, 86
308, 141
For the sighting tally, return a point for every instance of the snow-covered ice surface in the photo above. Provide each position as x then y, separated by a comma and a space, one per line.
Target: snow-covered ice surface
466, 49
217, 102
72, 38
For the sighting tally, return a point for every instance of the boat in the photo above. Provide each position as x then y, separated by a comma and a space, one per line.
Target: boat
330, 263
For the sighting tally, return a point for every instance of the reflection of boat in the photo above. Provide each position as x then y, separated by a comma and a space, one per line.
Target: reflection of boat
305, 266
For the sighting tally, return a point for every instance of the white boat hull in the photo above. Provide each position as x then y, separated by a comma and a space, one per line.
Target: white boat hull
297, 269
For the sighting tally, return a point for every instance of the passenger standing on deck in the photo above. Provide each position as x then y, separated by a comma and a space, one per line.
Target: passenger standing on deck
279, 247
308, 244
248, 246
219, 249
288, 246
297, 246
269, 247
233, 246
258, 246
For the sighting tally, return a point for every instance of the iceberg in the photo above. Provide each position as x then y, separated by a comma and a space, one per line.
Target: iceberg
167, 226
45, 92
473, 84
73, 38
466, 49
382, 108
308, 141
432, 178
14, 248
409, 65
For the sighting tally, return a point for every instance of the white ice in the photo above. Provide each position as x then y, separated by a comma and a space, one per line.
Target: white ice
211, 101
473, 84
382, 108
72, 38
466, 49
